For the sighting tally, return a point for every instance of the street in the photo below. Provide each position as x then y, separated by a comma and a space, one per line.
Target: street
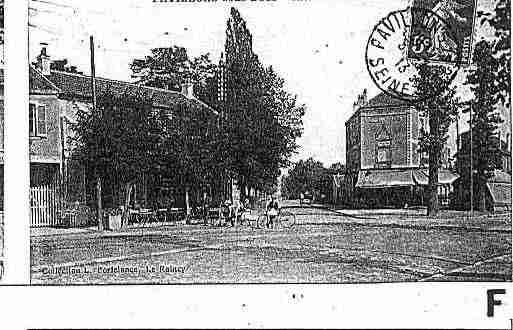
326, 246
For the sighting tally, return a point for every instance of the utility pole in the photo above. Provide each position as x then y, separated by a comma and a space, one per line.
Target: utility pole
97, 174
458, 132
471, 165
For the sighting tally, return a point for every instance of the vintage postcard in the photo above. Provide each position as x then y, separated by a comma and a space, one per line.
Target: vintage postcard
207, 142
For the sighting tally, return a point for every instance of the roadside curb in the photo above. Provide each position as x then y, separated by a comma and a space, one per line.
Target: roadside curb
425, 226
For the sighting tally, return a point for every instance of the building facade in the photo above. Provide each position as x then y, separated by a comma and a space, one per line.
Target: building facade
384, 165
58, 178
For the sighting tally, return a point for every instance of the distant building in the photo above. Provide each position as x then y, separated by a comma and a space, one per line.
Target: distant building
384, 166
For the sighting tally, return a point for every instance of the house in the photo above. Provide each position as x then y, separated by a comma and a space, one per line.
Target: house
498, 187
384, 166
57, 177
46, 150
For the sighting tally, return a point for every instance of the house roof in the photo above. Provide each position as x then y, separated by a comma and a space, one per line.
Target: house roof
78, 85
383, 99
39, 84
381, 102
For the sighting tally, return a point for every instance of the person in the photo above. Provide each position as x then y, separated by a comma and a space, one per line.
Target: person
272, 209
301, 197
242, 209
226, 213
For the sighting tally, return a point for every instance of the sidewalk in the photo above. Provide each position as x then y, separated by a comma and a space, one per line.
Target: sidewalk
416, 218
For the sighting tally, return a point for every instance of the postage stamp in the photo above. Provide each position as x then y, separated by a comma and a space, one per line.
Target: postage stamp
450, 42
208, 142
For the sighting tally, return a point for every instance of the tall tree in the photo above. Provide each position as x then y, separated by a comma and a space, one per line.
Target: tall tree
500, 21
262, 121
486, 118
441, 109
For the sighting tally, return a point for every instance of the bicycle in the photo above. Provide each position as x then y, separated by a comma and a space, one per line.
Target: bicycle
285, 219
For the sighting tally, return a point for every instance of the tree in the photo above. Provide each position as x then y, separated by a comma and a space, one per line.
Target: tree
188, 150
261, 121
441, 109
168, 68
486, 118
500, 21
118, 142
307, 176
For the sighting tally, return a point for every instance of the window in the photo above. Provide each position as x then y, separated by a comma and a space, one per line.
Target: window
383, 156
37, 120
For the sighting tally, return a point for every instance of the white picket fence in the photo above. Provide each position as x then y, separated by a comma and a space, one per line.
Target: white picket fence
45, 206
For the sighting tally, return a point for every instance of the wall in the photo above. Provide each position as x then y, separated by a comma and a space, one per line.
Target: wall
395, 122
353, 140
47, 149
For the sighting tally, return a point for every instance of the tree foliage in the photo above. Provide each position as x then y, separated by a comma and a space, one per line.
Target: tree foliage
486, 118
500, 21
119, 141
441, 108
169, 67
188, 145
261, 119
307, 176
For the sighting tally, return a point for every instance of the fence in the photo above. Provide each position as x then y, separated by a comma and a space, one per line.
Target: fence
45, 205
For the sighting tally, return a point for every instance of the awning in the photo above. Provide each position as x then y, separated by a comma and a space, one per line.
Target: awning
500, 177
444, 177
500, 192
385, 178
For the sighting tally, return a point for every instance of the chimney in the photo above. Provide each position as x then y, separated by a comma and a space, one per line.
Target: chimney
188, 89
361, 100
43, 60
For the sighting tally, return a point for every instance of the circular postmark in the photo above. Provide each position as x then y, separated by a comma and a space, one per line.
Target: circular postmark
404, 40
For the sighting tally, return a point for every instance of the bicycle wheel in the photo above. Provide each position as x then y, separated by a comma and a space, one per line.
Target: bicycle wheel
287, 219
261, 221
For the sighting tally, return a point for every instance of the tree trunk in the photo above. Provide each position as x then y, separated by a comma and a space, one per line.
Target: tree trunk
481, 194
126, 204
187, 206
433, 206
99, 203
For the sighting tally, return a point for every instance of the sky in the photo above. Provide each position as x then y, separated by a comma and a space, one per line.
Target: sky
317, 46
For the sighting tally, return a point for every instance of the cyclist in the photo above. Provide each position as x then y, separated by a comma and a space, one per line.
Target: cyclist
272, 209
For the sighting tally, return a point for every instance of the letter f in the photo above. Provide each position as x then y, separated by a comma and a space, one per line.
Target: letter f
491, 300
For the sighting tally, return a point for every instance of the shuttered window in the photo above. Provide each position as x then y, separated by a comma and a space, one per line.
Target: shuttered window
37, 120
32, 119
